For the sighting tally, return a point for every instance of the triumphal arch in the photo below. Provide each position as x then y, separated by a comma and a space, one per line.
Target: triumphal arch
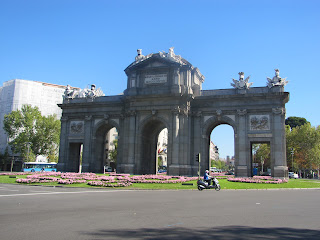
165, 91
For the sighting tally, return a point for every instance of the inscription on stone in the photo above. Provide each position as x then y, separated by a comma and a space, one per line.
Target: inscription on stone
155, 78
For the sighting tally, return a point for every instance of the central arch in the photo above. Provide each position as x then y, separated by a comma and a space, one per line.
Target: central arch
99, 146
149, 133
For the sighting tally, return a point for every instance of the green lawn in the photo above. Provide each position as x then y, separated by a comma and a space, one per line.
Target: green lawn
292, 183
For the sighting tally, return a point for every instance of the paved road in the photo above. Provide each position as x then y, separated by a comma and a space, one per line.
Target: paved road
29, 212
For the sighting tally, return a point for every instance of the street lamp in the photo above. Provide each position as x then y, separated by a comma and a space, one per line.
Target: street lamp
292, 153
12, 150
28, 146
262, 162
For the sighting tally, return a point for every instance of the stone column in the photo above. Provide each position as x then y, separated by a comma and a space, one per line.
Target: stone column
63, 150
241, 148
184, 147
87, 148
176, 88
174, 167
278, 147
121, 145
197, 133
129, 166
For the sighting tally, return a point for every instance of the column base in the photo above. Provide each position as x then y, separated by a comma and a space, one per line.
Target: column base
241, 171
280, 172
125, 168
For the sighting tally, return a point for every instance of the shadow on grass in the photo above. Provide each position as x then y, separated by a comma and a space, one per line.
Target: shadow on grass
230, 232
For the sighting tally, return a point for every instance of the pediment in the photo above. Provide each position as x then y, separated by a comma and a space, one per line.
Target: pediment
153, 64
156, 60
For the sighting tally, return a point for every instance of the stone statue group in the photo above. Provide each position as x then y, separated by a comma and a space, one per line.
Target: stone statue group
244, 83
71, 93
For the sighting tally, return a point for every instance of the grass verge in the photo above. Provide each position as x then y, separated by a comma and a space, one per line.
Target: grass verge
225, 184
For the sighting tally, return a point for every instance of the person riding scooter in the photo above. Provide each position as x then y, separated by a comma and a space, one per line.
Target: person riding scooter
207, 178
206, 183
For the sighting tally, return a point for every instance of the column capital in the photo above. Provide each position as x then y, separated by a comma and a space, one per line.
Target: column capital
88, 117
279, 110
242, 112
64, 119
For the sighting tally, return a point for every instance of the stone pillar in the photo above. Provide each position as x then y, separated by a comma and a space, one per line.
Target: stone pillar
197, 142
63, 150
128, 145
176, 89
87, 148
129, 166
121, 145
184, 146
278, 148
174, 167
241, 148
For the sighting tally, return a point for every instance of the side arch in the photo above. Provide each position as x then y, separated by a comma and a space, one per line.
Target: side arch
214, 121
208, 127
106, 122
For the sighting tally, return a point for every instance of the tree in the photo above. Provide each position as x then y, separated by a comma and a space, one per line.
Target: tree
113, 153
304, 141
261, 154
32, 134
295, 121
219, 164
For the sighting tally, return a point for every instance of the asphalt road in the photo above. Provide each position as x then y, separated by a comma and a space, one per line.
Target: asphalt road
29, 212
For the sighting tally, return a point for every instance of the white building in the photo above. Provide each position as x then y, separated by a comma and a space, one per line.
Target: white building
214, 151
111, 136
17, 92
162, 147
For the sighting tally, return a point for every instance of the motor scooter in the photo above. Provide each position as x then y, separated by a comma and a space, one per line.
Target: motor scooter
204, 185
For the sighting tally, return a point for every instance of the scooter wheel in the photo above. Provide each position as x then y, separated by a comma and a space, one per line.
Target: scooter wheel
218, 188
200, 188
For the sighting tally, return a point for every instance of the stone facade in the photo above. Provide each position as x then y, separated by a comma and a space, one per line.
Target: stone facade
165, 91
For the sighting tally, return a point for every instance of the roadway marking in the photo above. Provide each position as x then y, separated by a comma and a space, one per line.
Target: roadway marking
10, 190
175, 224
53, 193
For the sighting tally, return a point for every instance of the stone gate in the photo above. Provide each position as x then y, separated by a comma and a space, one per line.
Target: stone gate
165, 91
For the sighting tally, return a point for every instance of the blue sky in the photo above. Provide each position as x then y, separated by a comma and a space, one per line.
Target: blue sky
80, 42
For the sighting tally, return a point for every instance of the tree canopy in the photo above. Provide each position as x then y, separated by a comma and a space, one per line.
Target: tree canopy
304, 143
32, 134
295, 121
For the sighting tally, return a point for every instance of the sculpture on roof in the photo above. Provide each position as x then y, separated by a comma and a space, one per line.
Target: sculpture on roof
139, 56
68, 93
276, 80
171, 56
241, 83
83, 93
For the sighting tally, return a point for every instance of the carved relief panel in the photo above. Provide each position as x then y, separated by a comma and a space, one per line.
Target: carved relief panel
76, 127
259, 122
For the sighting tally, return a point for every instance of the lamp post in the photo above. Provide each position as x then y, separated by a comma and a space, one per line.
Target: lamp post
28, 146
262, 162
12, 161
292, 153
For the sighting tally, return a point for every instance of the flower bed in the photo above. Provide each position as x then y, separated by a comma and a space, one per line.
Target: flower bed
258, 179
92, 179
125, 180
104, 184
